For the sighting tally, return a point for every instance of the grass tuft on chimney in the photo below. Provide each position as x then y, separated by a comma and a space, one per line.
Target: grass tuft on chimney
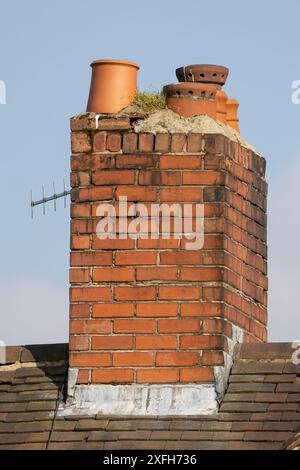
149, 102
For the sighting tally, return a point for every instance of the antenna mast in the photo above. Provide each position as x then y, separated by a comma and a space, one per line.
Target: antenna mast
53, 198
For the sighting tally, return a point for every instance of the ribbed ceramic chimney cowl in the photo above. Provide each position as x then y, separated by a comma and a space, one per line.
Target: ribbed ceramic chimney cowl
199, 93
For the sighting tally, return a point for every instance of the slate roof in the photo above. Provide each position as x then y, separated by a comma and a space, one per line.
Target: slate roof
260, 410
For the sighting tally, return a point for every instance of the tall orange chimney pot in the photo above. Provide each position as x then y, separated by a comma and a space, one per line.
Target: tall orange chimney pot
113, 85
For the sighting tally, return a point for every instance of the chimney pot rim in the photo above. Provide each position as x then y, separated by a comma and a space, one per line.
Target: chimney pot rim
114, 61
202, 73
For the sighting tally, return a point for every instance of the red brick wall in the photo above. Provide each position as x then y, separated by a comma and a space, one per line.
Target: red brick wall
150, 310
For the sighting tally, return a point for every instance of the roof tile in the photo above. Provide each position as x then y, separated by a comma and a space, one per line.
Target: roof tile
91, 424
267, 436
260, 410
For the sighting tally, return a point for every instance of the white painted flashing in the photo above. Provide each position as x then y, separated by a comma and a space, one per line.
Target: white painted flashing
149, 400
222, 372
142, 399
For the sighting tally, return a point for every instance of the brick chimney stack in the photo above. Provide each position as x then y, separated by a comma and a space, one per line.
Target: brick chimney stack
152, 323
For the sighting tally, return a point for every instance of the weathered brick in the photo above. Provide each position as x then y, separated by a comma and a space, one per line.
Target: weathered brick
177, 358
136, 161
179, 292
78, 275
136, 258
112, 342
131, 359
201, 342
213, 358
135, 293
90, 259
197, 374
87, 294
78, 343
101, 193
82, 122
79, 311
203, 178
181, 194
146, 142
214, 143
80, 142
81, 226
116, 274
112, 310
80, 242
134, 326
81, 210
114, 124
99, 142
113, 142
170, 162
155, 177
90, 360
183, 325
149, 274
90, 326
157, 375
178, 142
181, 257
201, 274
82, 178
202, 309
111, 177
92, 162
159, 243
129, 143
157, 309
194, 142
112, 375
156, 342
137, 194
162, 142
83, 376
111, 243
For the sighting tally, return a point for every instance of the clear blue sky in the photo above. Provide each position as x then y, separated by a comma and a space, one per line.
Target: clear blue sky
45, 51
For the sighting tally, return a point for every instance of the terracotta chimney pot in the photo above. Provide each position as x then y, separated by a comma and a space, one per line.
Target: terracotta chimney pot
196, 93
231, 114
192, 99
221, 108
203, 73
113, 85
